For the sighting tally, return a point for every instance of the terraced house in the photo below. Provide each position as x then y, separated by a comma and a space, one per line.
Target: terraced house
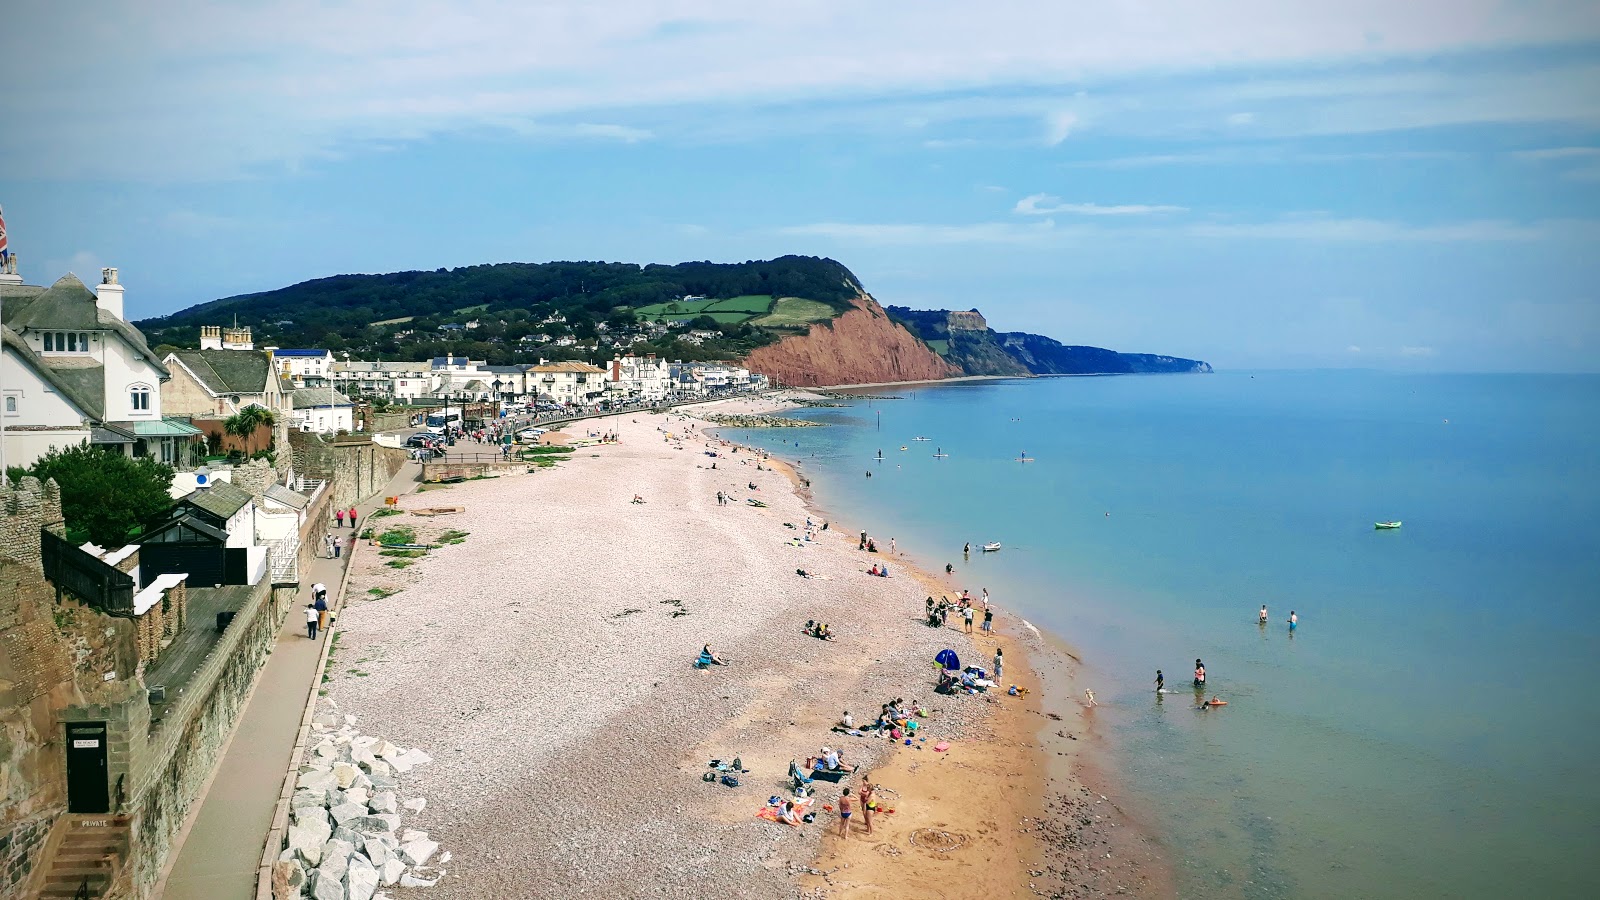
74, 370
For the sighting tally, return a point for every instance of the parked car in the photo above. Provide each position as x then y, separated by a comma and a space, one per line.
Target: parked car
422, 439
529, 435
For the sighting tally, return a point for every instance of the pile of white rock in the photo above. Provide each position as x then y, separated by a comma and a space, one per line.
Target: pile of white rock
345, 840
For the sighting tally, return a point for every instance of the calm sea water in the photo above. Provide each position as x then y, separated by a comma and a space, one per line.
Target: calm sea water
1430, 730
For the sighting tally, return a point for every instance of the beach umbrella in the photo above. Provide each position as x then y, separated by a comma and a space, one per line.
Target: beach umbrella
948, 659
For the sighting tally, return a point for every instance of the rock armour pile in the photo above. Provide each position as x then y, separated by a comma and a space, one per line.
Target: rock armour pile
345, 839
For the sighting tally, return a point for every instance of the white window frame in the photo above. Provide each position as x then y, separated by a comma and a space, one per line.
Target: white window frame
11, 406
135, 391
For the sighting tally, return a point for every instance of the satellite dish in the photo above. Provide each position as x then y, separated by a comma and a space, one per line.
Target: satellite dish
202, 477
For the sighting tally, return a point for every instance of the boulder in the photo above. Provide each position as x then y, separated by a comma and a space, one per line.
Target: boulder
382, 802
345, 774
386, 750
325, 886
304, 798
379, 767
307, 840
379, 824
414, 757
418, 851
376, 850
361, 781
416, 804
318, 780
361, 879
409, 880
344, 812
348, 835
357, 795
383, 781
392, 870
288, 879
336, 858
308, 813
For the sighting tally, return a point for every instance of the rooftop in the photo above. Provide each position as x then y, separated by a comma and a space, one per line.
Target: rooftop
317, 398
221, 499
227, 371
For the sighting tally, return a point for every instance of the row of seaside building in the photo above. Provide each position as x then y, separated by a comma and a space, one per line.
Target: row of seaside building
73, 369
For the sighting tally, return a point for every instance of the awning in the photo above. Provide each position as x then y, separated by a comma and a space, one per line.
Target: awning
108, 435
164, 428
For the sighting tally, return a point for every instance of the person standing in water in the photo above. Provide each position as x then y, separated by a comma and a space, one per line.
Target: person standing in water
1293, 620
1263, 619
966, 549
1161, 681
1199, 674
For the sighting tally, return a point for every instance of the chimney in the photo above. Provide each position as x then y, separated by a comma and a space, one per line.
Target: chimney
108, 295
210, 337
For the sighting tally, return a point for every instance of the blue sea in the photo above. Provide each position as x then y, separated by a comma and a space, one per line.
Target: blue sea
1429, 730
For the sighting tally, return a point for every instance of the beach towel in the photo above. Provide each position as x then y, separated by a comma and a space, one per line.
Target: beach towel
802, 808
833, 775
941, 747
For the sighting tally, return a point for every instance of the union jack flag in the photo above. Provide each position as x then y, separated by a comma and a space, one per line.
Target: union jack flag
4, 250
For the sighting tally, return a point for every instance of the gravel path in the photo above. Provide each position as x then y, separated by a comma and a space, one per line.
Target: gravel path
544, 664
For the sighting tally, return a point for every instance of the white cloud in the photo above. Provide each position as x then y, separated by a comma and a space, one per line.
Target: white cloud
1418, 351
1241, 118
1377, 230
1047, 205
1058, 126
1557, 153
932, 234
301, 81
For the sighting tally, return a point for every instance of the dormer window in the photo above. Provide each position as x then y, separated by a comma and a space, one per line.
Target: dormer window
66, 342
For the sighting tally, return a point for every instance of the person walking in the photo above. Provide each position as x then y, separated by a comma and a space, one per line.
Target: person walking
311, 621
327, 545
352, 515
999, 663
1263, 619
966, 616
988, 620
1293, 620
844, 814
891, 545
339, 514
320, 604
336, 547
985, 598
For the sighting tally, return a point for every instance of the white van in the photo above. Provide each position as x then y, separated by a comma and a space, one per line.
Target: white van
443, 423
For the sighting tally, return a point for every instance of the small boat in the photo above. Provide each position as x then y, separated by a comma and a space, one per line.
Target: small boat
904, 448
1384, 525
991, 547
921, 438
940, 455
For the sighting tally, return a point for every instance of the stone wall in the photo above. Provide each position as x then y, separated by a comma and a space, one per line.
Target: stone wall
35, 678
254, 477
355, 469
188, 745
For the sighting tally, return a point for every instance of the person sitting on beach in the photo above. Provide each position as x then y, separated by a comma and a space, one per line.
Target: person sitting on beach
825, 632
872, 546
637, 499
848, 722
752, 486
787, 815
946, 685
811, 626
707, 658
883, 571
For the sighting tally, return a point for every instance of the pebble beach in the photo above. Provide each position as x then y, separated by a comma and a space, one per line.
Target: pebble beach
545, 664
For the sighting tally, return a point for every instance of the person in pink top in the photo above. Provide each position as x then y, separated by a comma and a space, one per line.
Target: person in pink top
352, 515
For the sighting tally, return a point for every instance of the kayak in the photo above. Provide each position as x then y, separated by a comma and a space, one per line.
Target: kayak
1385, 525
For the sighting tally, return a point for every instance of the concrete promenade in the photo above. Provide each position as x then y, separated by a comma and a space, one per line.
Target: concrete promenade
220, 851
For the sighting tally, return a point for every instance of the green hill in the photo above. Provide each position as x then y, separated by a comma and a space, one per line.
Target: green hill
485, 311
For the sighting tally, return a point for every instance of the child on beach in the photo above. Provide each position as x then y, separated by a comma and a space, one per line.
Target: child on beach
844, 814
966, 616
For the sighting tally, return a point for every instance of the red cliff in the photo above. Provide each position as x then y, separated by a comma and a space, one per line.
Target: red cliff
862, 346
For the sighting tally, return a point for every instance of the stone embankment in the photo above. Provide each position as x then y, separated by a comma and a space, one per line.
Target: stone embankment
758, 421
345, 840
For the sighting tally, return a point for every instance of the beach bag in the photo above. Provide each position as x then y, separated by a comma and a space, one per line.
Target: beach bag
730, 781
709, 776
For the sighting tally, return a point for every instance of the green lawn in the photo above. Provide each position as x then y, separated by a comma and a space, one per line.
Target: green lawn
467, 309
748, 303
732, 309
791, 311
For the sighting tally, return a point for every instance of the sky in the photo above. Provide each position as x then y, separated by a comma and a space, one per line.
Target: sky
1257, 183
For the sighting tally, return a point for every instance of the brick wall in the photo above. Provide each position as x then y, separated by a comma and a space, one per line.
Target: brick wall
355, 469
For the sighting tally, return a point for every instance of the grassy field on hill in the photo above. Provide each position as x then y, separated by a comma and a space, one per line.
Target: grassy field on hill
790, 312
728, 310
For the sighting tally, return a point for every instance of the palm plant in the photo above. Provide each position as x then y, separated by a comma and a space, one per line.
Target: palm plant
244, 423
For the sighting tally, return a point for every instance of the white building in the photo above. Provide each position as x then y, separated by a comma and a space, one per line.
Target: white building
640, 378
73, 370
396, 380
303, 368
315, 410
576, 383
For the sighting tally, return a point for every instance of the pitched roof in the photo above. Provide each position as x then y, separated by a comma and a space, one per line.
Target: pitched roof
317, 398
580, 367
68, 304
221, 499
228, 371
280, 494
69, 388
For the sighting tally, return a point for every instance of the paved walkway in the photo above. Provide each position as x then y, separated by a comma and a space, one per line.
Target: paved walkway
218, 857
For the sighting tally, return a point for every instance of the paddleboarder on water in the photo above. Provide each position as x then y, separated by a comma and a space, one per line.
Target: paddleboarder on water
1161, 681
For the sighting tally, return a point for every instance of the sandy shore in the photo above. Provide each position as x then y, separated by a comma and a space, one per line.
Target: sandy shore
545, 663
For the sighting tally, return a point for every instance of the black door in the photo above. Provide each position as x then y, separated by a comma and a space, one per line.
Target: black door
88, 789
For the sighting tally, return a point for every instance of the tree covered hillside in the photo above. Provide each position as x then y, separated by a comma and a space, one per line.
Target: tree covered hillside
500, 311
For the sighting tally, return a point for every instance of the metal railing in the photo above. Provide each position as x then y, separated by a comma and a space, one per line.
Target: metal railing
284, 559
